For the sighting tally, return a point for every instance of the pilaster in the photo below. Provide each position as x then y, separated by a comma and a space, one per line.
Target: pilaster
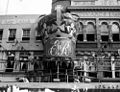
98, 33
110, 33
84, 33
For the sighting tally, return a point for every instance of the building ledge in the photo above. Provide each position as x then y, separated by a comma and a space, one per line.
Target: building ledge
10, 41
38, 41
91, 42
24, 41
93, 7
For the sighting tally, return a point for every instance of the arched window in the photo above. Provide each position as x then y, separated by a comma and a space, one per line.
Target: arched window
80, 33
90, 32
104, 31
115, 31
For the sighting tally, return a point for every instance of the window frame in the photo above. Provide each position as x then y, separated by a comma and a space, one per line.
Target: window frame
1, 35
12, 34
26, 34
90, 32
38, 36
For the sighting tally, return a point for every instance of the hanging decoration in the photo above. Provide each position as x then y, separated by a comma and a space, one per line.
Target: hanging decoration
59, 33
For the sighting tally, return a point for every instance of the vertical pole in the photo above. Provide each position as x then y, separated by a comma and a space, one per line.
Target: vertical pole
66, 76
57, 70
11, 88
58, 9
113, 67
113, 70
98, 58
85, 69
17, 63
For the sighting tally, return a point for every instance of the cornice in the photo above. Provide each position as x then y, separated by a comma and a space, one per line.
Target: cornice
93, 7
54, 1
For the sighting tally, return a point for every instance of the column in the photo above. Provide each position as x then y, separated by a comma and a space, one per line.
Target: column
99, 68
85, 69
30, 61
2, 63
17, 63
98, 33
84, 33
110, 33
113, 66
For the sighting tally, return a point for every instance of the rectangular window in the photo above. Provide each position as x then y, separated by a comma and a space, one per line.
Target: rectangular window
1, 34
105, 37
90, 37
12, 34
80, 37
38, 35
115, 37
26, 34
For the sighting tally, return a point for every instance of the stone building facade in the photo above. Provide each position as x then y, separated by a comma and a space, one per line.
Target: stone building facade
98, 39
19, 41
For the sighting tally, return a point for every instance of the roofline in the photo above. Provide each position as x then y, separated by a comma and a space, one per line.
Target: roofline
59, 0
84, 0
93, 8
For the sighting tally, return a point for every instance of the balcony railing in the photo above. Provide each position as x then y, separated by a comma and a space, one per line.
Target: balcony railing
63, 75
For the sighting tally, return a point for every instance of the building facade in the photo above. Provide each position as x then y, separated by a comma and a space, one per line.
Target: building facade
20, 42
98, 39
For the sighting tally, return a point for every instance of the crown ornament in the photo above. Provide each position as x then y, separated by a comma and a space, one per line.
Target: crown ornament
59, 33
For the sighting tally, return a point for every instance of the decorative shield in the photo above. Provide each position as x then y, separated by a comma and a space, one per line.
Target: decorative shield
60, 47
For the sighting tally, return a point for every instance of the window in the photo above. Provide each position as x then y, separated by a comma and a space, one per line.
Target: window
115, 32
38, 35
26, 34
12, 33
10, 62
80, 37
1, 34
90, 32
104, 32
80, 32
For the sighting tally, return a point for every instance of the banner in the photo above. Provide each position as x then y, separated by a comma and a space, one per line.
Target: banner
61, 47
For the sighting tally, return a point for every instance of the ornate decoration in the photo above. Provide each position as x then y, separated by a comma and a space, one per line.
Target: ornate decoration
59, 33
